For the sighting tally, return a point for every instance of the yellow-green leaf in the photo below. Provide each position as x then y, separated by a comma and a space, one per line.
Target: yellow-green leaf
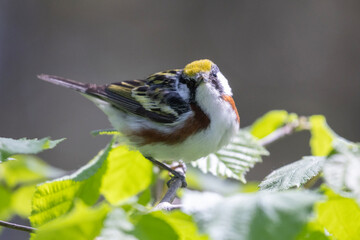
21, 200
82, 223
269, 123
27, 168
55, 198
313, 231
5, 203
128, 173
321, 136
182, 223
150, 227
340, 216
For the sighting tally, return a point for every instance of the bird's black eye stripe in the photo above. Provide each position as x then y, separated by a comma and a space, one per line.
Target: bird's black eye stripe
215, 82
182, 80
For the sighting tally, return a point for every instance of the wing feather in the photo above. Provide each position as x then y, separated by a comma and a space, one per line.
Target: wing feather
155, 98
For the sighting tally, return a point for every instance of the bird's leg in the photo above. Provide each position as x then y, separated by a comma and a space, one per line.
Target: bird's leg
177, 174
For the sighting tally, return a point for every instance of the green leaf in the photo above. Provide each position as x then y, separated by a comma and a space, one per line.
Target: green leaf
321, 136
294, 174
255, 216
21, 200
150, 227
234, 160
131, 172
5, 203
15, 202
269, 123
81, 223
340, 216
55, 198
9, 146
182, 223
27, 169
313, 231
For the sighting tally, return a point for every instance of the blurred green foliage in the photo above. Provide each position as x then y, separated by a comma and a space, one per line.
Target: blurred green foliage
112, 196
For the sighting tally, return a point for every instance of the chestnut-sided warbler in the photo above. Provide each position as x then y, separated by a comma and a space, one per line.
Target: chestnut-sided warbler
179, 114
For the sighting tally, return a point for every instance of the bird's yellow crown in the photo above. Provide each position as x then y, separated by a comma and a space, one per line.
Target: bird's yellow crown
193, 68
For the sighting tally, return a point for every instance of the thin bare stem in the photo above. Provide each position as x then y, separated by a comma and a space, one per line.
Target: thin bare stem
174, 184
287, 129
17, 226
277, 134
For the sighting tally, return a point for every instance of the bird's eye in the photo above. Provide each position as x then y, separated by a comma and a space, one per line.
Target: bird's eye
213, 75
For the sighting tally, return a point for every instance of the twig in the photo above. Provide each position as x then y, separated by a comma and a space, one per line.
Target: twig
174, 184
287, 129
17, 226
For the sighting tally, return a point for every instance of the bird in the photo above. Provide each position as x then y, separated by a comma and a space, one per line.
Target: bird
175, 115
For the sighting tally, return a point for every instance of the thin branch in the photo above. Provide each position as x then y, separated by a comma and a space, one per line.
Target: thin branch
17, 226
287, 129
166, 201
174, 184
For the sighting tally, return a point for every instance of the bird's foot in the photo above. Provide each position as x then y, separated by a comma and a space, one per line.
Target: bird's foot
177, 175
178, 171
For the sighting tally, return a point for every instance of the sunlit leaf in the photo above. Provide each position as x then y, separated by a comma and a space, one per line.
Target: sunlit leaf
340, 216
5, 203
269, 123
27, 169
21, 200
150, 227
313, 231
9, 146
128, 173
81, 223
182, 223
294, 174
234, 160
145, 197
55, 198
255, 216
321, 136
147, 226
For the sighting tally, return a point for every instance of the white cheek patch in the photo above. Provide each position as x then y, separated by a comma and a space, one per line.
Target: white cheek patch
224, 83
184, 91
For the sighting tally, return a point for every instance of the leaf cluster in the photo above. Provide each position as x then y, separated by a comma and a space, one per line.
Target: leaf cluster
113, 195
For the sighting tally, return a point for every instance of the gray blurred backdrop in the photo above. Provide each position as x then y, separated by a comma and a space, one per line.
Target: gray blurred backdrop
302, 56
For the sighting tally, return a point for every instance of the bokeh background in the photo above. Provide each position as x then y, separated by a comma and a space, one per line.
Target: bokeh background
301, 56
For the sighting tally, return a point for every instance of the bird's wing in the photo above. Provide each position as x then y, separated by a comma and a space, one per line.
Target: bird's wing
155, 98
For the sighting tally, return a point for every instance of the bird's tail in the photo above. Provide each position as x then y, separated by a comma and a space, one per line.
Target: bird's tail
78, 86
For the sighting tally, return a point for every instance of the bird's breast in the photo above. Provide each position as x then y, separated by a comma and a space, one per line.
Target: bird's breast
195, 123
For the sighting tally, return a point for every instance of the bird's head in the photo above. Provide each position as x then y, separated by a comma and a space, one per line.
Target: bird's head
205, 73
